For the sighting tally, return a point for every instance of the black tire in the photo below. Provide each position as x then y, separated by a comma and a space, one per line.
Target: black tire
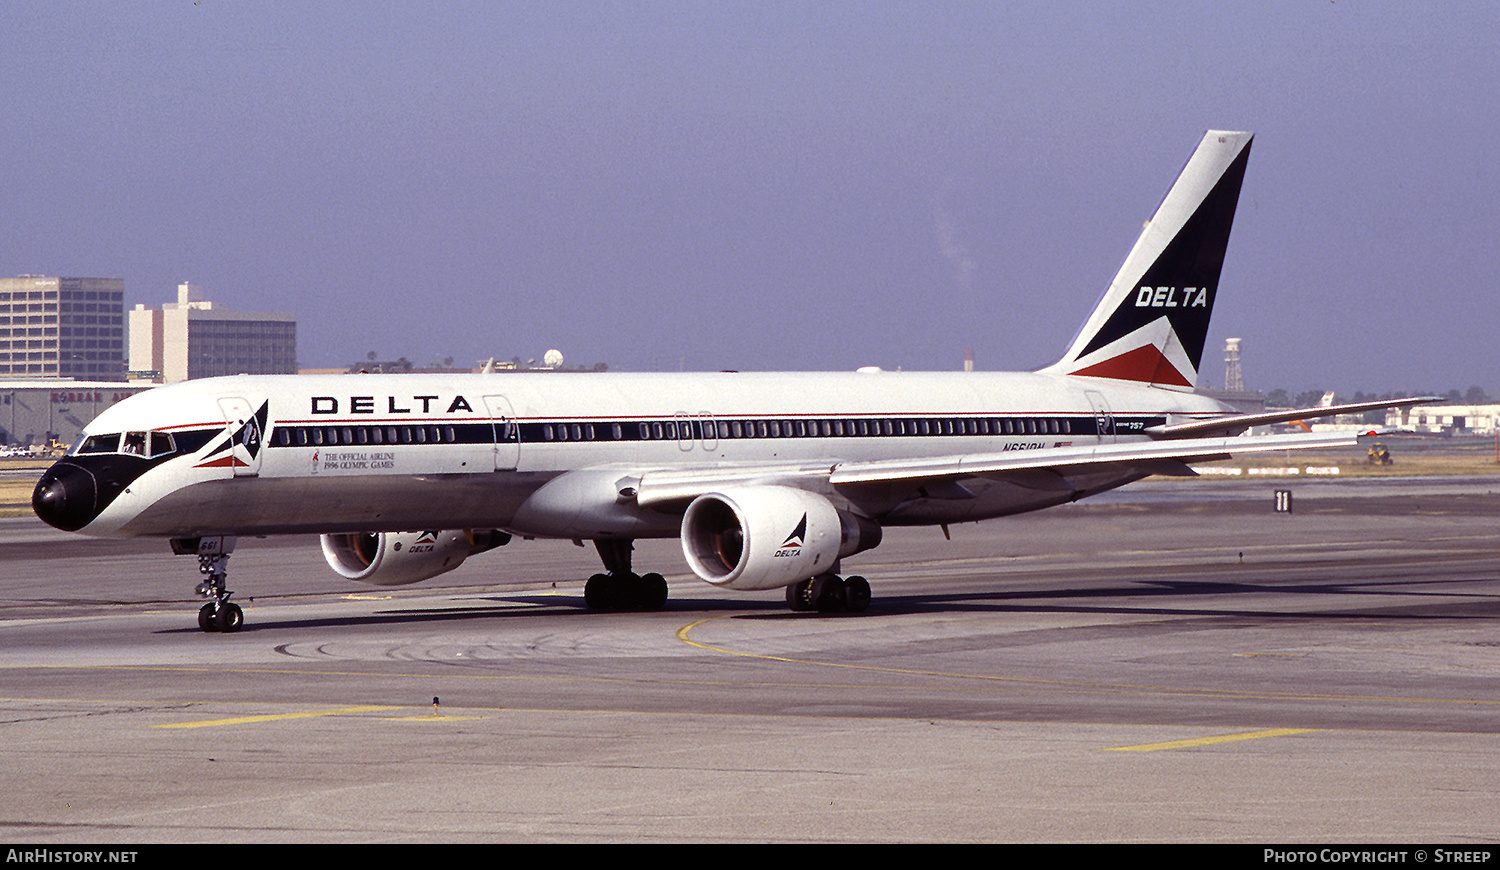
828, 593
626, 591
653, 591
856, 594
229, 618
206, 618
797, 597
598, 592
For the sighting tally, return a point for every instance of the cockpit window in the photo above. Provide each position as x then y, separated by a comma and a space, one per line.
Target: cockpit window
100, 444
146, 444
134, 444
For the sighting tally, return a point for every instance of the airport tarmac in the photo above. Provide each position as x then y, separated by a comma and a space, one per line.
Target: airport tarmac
1174, 662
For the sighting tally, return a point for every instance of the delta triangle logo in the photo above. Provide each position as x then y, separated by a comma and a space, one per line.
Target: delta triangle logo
792, 546
1144, 364
1152, 354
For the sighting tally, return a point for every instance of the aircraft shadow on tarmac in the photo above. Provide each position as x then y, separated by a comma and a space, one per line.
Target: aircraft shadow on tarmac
1441, 600
1173, 598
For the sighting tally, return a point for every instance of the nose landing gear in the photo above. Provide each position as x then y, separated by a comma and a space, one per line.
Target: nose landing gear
219, 614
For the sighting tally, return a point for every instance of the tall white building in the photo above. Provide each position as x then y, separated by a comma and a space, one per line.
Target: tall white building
193, 338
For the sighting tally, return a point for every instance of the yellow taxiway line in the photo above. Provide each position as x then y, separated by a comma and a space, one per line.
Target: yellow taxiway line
1209, 741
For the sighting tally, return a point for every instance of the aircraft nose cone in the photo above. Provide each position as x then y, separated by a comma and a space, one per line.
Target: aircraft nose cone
66, 497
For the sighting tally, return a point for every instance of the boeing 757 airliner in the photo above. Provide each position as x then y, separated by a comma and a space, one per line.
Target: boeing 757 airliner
770, 480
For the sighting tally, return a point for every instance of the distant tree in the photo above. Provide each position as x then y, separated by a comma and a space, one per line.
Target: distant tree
1476, 396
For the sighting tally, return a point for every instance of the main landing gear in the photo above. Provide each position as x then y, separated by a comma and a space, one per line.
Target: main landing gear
219, 614
619, 588
830, 593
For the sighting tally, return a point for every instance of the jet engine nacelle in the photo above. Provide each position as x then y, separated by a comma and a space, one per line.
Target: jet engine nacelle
398, 558
765, 537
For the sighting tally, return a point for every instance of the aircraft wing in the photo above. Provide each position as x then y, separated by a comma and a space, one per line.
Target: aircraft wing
1065, 459
668, 488
1236, 423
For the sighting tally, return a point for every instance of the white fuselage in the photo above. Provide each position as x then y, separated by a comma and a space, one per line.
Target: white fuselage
551, 454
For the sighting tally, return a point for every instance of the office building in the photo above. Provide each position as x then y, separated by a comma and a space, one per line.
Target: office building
62, 328
194, 338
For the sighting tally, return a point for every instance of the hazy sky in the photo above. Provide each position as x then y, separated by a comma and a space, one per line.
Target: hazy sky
765, 185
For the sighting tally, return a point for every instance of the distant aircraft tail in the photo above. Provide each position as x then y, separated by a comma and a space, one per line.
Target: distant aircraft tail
1152, 322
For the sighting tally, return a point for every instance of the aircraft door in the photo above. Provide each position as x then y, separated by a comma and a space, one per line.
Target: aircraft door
1104, 419
685, 439
710, 430
507, 432
247, 434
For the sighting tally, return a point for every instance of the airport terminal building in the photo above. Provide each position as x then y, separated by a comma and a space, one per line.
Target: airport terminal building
35, 413
1445, 419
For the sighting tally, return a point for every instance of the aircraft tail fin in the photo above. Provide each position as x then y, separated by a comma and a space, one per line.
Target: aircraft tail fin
1151, 324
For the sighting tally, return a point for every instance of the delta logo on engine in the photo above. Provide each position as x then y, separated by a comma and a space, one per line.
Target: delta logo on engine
792, 546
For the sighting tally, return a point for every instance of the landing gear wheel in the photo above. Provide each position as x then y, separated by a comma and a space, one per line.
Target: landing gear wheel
827, 593
799, 596
856, 594
618, 588
598, 592
218, 615
653, 592
627, 591
229, 618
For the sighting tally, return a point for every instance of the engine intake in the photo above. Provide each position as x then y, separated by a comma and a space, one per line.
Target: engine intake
765, 537
399, 558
